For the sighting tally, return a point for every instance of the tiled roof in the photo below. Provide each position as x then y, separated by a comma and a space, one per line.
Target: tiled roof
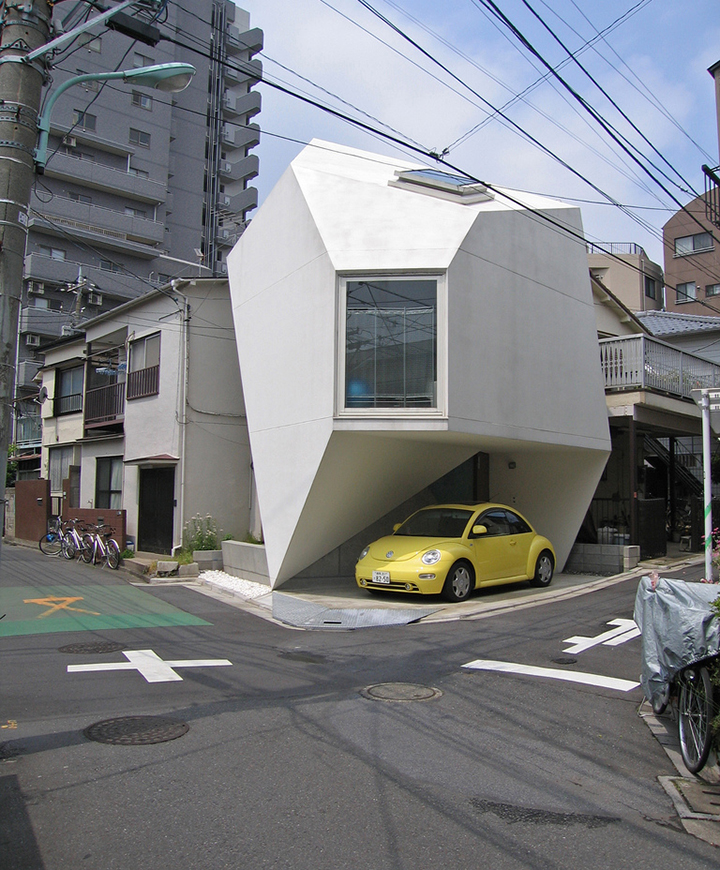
661, 323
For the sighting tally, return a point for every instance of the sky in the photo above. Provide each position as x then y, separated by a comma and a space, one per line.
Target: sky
643, 74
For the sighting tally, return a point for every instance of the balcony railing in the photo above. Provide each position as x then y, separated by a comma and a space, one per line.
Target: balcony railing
144, 382
70, 404
105, 404
616, 248
638, 362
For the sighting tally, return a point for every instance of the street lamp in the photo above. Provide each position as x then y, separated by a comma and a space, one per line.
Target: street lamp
168, 77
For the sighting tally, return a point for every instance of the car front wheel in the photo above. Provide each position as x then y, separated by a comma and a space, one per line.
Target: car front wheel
544, 568
459, 583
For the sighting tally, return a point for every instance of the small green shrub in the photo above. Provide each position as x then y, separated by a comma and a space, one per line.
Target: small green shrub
127, 554
201, 533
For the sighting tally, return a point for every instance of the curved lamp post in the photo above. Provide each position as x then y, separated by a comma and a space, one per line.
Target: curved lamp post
169, 77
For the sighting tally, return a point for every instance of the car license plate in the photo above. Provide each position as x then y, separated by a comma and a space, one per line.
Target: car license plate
381, 576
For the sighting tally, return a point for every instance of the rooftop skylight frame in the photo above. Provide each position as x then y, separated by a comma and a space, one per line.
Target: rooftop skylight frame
444, 185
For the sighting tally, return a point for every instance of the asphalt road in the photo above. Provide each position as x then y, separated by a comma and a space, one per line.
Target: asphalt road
287, 764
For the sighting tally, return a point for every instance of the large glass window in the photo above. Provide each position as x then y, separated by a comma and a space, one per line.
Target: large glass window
391, 343
108, 482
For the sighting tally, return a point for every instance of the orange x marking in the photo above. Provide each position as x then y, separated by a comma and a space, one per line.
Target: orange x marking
56, 603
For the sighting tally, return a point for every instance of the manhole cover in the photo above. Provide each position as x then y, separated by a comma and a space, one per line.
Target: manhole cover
136, 730
400, 692
565, 660
98, 646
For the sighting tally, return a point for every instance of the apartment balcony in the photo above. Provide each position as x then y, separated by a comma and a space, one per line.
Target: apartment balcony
45, 270
241, 105
42, 322
104, 406
98, 177
105, 220
638, 362
96, 235
28, 431
239, 72
26, 371
248, 167
240, 202
239, 43
240, 137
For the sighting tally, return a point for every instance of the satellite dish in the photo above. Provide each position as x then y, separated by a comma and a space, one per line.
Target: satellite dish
42, 395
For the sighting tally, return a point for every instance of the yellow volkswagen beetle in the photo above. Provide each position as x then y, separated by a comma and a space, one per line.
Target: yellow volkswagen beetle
453, 549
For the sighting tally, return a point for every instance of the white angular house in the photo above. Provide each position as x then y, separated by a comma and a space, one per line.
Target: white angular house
393, 321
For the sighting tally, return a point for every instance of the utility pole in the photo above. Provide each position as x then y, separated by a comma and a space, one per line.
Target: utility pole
25, 26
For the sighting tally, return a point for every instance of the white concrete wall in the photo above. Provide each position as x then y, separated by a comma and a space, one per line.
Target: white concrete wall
521, 352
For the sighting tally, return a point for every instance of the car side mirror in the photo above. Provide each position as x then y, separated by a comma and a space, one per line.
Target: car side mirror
479, 530
396, 526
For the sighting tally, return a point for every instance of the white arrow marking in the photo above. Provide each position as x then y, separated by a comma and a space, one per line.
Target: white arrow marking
150, 665
553, 674
626, 630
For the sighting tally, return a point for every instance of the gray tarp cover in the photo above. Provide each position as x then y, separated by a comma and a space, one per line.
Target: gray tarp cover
678, 628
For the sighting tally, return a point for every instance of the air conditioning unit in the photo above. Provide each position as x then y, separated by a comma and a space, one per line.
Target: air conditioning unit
94, 299
37, 287
70, 141
228, 167
32, 340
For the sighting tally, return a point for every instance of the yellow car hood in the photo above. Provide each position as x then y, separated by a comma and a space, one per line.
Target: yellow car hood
402, 547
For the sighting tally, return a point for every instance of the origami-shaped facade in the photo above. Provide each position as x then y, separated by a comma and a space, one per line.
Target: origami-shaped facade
393, 321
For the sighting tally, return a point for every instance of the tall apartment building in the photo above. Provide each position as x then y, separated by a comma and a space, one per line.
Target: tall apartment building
140, 186
691, 250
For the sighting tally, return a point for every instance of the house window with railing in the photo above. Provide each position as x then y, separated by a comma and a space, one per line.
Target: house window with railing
144, 370
694, 244
68, 390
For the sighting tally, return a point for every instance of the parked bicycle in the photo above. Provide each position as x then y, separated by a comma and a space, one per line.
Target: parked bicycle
99, 547
51, 543
73, 544
680, 646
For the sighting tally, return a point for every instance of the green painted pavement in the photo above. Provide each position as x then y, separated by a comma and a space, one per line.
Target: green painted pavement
42, 609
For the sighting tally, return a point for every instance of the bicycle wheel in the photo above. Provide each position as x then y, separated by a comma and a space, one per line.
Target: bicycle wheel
113, 554
88, 548
69, 549
695, 715
50, 544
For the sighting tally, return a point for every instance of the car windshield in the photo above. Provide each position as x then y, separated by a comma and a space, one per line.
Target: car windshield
436, 523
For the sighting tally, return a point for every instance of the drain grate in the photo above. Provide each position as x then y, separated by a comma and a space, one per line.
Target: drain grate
136, 730
99, 646
400, 692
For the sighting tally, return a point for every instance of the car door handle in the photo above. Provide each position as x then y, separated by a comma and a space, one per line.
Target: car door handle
513, 543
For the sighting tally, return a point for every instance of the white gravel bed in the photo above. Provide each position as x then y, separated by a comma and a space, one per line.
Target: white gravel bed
236, 585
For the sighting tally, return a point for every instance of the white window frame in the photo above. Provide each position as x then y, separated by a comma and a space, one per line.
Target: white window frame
441, 348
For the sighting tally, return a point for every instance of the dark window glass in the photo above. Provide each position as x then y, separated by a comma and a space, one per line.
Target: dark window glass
436, 523
391, 343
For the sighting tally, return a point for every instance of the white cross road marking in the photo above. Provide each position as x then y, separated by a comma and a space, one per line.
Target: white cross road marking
150, 665
553, 674
626, 630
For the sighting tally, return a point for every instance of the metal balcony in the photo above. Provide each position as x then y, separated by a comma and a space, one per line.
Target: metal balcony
638, 362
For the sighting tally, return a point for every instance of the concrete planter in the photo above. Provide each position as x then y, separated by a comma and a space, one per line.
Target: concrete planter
209, 560
247, 561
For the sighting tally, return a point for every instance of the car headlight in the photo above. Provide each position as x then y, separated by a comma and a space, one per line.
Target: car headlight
363, 554
431, 557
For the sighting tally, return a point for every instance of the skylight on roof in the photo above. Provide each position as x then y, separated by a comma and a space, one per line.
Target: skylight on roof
444, 185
